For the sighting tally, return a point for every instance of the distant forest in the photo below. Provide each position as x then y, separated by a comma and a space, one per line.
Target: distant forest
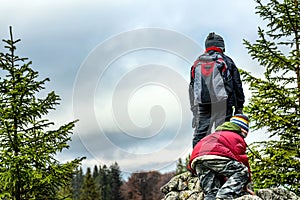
103, 182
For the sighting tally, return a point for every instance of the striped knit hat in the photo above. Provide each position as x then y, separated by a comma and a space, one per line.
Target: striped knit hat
242, 121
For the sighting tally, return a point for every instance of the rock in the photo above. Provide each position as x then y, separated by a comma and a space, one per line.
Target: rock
185, 186
182, 186
249, 197
277, 194
172, 196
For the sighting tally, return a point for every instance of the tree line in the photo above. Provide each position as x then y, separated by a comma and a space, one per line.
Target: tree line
100, 183
106, 183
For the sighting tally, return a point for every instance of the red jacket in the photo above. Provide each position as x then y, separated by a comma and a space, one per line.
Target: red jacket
225, 143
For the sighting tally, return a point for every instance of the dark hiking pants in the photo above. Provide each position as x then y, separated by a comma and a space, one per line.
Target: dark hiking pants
212, 173
208, 116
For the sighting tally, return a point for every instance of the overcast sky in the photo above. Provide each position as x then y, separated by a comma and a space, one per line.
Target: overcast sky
122, 68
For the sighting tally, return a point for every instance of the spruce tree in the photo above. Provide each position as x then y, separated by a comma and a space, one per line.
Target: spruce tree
28, 167
180, 168
89, 190
95, 172
104, 183
116, 181
65, 192
275, 101
77, 182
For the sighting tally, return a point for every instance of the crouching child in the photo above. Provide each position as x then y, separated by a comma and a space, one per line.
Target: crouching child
220, 160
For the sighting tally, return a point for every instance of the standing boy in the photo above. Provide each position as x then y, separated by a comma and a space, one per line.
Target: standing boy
206, 112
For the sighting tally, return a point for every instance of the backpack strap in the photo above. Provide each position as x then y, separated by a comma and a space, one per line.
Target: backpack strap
193, 68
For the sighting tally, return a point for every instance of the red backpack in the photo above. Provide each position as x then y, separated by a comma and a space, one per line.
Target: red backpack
209, 72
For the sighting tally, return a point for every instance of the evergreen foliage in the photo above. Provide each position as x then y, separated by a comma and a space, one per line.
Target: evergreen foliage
107, 184
275, 101
102, 183
116, 182
76, 183
95, 172
65, 192
182, 167
28, 168
89, 190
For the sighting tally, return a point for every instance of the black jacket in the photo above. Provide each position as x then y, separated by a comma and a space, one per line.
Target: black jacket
235, 92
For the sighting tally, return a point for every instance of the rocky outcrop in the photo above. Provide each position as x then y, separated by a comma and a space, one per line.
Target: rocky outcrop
186, 187
182, 186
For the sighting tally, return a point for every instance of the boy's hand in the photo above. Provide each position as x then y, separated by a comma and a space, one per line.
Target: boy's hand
246, 189
250, 191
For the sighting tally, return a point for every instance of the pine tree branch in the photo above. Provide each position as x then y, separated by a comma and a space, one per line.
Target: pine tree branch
297, 42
